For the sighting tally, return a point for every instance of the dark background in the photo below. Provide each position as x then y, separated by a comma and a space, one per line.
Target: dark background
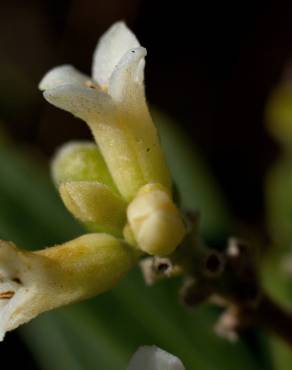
210, 65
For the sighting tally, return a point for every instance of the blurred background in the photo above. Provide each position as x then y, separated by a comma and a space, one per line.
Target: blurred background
211, 71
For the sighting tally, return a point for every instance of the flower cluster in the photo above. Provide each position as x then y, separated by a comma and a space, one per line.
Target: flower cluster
125, 174
119, 187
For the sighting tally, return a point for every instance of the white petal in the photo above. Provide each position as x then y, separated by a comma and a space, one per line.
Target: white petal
154, 358
110, 49
126, 82
62, 75
83, 102
126, 88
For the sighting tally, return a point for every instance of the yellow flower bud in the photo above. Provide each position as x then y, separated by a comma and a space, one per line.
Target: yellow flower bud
34, 282
95, 204
80, 161
155, 221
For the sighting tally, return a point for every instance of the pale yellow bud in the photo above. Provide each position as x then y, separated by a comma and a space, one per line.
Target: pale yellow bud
95, 204
155, 221
80, 161
35, 282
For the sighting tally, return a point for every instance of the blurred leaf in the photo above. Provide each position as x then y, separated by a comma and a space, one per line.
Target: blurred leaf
197, 188
105, 331
275, 278
277, 282
279, 113
31, 211
51, 351
281, 355
279, 202
277, 265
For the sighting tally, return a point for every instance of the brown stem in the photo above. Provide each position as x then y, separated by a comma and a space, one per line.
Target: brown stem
274, 318
228, 279
238, 288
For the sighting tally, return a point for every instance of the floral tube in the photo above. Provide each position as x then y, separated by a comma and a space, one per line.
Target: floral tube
35, 282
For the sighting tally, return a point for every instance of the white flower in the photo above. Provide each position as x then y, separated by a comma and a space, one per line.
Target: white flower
154, 358
35, 282
113, 104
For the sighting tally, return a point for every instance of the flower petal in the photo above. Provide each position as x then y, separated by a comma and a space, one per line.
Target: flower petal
62, 75
83, 102
35, 282
110, 49
128, 75
127, 90
154, 358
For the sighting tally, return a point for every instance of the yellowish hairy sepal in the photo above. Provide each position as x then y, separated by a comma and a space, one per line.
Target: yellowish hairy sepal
94, 203
35, 282
92, 263
80, 161
129, 236
155, 221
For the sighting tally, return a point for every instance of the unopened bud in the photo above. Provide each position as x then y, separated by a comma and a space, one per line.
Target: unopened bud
155, 221
95, 204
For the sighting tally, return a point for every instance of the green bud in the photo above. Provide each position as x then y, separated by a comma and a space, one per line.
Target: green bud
95, 204
80, 161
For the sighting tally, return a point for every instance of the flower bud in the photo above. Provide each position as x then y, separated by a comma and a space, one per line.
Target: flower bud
95, 204
80, 161
155, 221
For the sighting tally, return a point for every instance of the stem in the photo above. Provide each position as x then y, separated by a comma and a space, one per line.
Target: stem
274, 318
228, 279
238, 288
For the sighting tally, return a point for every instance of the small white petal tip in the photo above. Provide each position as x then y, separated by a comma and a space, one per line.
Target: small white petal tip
81, 101
154, 358
112, 46
62, 75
